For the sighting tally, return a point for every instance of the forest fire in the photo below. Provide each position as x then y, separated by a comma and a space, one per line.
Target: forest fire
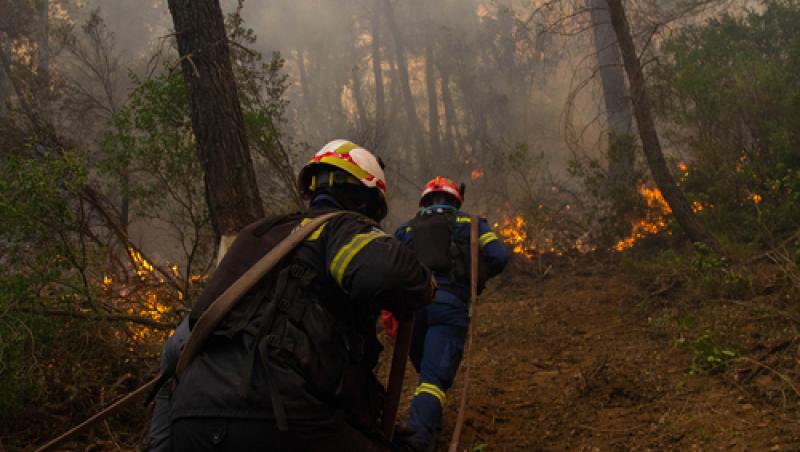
654, 221
514, 232
146, 296
514, 229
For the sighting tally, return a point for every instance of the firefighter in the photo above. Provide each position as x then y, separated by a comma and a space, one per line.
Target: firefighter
158, 435
290, 368
440, 236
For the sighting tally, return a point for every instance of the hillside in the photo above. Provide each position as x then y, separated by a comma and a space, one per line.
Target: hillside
586, 359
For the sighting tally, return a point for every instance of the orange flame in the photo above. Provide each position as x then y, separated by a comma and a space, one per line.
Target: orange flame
514, 232
476, 174
654, 221
147, 297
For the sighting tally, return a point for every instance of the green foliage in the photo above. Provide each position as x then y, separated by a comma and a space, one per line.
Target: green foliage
613, 202
709, 356
150, 153
41, 221
700, 271
734, 83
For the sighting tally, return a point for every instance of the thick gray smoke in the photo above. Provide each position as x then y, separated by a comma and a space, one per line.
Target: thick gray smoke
500, 84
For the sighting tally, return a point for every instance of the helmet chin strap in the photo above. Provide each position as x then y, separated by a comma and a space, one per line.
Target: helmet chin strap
356, 199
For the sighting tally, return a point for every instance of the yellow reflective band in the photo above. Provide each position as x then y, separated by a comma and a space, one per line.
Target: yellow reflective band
345, 165
408, 229
427, 388
349, 251
346, 148
463, 219
314, 235
313, 183
485, 239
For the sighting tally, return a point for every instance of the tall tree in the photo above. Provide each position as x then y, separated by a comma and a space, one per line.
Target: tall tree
377, 69
433, 99
5, 91
621, 156
42, 86
404, 81
231, 189
650, 142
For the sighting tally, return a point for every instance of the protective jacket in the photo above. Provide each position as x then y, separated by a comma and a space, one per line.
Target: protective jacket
453, 276
299, 348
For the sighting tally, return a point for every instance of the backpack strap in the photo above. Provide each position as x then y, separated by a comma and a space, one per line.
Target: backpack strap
224, 303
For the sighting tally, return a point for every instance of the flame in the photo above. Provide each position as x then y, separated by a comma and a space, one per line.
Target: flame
146, 296
655, 219
514, 232
142, 268
756, 198
476, 174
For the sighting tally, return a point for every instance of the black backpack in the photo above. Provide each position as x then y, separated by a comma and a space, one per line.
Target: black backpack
441, 250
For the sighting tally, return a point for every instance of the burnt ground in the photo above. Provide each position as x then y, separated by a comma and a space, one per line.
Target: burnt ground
585, 358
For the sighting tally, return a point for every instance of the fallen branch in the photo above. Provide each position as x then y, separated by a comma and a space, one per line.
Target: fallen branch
94, 316
783, 377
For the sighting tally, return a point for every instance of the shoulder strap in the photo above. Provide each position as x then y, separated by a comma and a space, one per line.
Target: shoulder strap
222, 305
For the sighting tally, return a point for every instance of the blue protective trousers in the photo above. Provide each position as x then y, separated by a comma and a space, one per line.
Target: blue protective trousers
437, 346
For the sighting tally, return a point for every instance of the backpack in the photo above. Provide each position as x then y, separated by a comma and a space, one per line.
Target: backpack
438, 247
292, 329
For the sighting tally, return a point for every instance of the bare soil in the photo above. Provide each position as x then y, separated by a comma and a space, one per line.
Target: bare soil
585, 359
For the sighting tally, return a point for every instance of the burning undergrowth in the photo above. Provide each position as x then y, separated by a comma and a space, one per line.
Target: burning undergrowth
151, 297
556, 231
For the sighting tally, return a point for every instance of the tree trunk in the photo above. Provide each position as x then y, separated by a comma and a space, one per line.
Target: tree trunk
652, 147
450, 131
433, 100
5, 90
357, 96
621, 157
380, 102
42, 84
404, 81
231, 190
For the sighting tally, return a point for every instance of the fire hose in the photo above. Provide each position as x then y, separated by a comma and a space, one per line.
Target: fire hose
206, 323
394, 387
474, 254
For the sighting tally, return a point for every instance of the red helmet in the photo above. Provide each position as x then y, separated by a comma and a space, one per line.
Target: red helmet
441, 184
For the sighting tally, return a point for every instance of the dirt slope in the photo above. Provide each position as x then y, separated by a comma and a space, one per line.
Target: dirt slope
576, 361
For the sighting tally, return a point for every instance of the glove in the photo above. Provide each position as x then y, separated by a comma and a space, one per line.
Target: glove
389, 324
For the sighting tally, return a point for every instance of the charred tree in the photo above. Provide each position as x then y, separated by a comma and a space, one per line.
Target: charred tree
231, 190
380, 102
621, 155
647, 130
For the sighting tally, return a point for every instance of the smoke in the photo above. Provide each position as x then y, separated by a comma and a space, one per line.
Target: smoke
514, 92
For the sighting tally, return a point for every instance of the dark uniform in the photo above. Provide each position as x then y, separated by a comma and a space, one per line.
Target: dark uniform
440, 329
158, 436
291, 367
